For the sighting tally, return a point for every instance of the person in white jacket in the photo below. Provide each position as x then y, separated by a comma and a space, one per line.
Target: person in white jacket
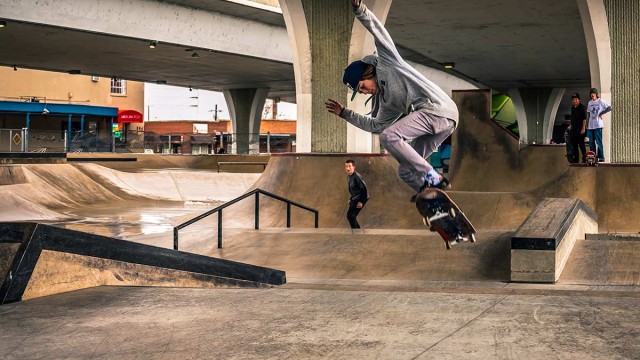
595, 109
412, 114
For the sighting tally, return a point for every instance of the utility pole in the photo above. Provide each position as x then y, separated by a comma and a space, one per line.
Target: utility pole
215, 112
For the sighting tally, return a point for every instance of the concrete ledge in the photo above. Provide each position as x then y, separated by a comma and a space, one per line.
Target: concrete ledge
100, 159
32, 158
51, 260
261, 163
614, 237
542, 244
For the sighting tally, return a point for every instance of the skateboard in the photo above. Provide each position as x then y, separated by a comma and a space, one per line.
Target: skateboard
441, 214
569, 148
590, 158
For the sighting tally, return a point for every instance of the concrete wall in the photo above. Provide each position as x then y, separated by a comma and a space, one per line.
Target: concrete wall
624, 30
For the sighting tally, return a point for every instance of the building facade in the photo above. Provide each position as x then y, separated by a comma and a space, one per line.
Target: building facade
65, 112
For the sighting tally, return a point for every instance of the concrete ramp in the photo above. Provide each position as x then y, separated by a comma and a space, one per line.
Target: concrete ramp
319, 181
309, 255
604, 260
487, 157
40, 260
42, 192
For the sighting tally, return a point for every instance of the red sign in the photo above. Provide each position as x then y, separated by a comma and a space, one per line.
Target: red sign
129, 116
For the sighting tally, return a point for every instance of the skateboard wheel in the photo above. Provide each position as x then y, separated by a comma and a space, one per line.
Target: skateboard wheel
472, 237
452, 212
448, 245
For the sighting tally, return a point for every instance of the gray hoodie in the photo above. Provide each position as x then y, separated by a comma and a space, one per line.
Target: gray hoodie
401, 88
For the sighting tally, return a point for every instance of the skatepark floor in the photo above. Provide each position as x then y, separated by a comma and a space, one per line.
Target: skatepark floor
385, 293
308, 321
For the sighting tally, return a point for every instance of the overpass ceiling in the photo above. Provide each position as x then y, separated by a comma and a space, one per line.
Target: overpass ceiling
499, 43
58, 49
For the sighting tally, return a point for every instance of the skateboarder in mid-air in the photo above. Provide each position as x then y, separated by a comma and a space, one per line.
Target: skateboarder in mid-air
412, 114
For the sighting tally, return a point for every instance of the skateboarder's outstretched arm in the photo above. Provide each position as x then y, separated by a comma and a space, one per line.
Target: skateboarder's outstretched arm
364, 122
384, 43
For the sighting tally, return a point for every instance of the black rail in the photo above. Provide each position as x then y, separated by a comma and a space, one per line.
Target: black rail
218, 210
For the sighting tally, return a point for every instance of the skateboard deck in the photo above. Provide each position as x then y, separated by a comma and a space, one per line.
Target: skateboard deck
568, 147
590, 158
441, 214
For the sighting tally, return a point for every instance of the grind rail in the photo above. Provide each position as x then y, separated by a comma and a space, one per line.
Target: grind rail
219, 209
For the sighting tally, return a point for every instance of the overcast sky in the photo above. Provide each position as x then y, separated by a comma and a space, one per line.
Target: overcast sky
164, 102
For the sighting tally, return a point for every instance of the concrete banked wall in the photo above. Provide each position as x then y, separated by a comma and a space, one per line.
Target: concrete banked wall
38, 260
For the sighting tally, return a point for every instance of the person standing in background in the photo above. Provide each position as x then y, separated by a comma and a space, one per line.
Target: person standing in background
577, 128
359, 194
596, 108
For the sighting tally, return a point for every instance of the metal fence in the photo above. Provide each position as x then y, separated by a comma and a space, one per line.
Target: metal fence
46, 141
12, 140
29, 140
91, 141
130, 141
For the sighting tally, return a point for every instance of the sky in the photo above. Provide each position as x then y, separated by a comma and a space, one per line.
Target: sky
165, 102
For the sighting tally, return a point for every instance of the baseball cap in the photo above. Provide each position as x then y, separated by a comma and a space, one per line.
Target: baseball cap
593, 91
575, 95
352, 75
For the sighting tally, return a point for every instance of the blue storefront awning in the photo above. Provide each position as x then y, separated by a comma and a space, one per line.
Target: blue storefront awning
57, 109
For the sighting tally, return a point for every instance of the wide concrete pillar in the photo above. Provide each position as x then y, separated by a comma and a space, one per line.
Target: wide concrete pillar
536, 110
596, 32
318, 30
320, 33
624, 30
245, 109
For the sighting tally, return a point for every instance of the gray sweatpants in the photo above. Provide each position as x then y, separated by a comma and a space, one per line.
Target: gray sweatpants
411, 140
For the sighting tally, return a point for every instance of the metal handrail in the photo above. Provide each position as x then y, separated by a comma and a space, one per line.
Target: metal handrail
255, 192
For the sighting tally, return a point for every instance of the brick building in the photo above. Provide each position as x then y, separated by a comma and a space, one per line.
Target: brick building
203, 137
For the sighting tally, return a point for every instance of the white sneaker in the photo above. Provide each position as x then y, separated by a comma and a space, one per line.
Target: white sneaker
433, 178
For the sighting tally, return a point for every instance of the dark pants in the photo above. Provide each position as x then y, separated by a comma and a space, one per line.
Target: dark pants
578, 141
352, 213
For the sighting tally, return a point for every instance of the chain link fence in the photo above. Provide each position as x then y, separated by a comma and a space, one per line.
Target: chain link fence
28, 140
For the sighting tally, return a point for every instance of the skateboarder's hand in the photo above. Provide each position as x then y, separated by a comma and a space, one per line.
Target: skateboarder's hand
334, 106
359, 206
355, 3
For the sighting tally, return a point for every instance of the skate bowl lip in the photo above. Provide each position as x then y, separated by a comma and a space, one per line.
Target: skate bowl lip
330, 154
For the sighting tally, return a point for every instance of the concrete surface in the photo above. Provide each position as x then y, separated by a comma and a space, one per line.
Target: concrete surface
389, 291
297, 323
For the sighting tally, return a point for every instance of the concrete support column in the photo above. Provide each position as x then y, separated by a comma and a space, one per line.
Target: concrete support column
322, 30
596, 32
245, 109
318, 30
536, 110
624, 30
550, 113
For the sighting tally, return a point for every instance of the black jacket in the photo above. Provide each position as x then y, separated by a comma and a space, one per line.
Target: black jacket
357, 188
